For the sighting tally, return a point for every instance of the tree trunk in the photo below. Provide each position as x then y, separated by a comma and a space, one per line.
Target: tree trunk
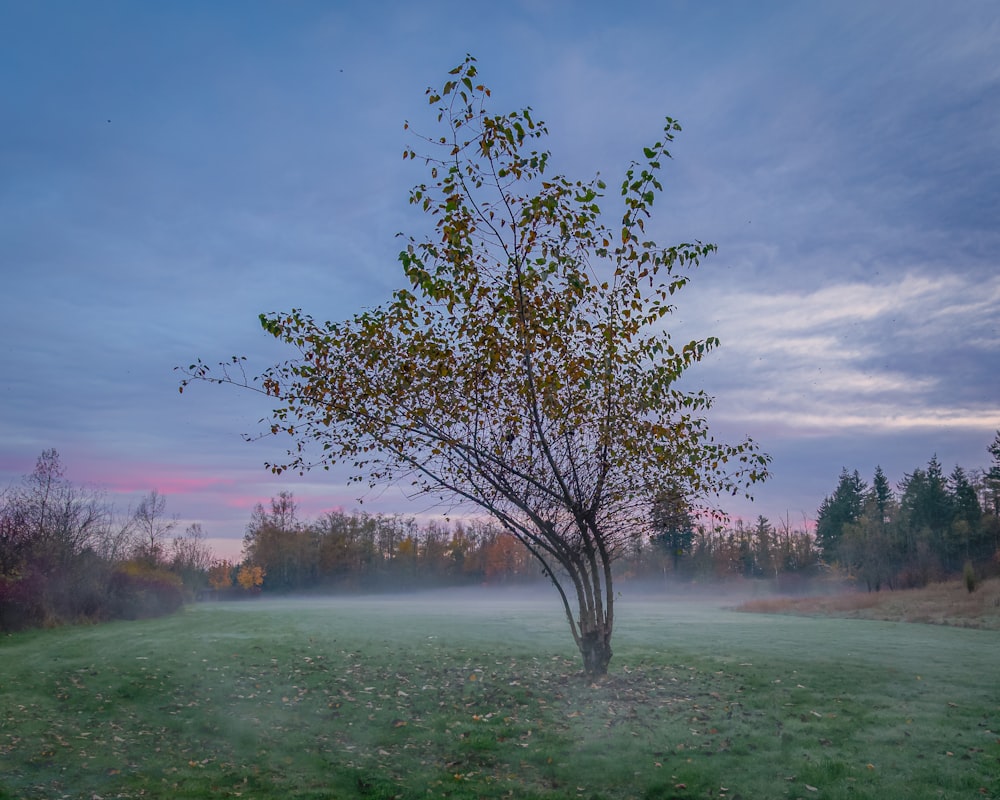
595, 647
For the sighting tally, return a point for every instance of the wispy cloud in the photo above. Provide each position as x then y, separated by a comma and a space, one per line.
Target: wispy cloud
857, 355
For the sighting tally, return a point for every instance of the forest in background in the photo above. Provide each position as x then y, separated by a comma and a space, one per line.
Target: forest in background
931, 527
68, 555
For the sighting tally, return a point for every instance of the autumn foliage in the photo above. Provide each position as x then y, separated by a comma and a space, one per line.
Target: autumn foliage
220, 575
525, 367
250, 577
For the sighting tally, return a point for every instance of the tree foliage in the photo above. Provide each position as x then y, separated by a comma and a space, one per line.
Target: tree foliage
525, 368
250, 577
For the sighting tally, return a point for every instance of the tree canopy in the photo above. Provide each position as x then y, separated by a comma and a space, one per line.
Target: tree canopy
525, 367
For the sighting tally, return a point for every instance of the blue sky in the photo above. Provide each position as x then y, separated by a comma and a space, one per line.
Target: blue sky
169, 171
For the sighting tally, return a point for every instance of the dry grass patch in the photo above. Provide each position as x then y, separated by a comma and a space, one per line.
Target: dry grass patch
948, 603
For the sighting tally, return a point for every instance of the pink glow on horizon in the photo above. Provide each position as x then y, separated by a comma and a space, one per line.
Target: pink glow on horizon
226, 549
164, 483
125, 477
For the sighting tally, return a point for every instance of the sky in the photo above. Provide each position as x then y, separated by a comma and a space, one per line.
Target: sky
168, 171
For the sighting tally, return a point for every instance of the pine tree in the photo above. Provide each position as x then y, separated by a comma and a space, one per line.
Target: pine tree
843, 508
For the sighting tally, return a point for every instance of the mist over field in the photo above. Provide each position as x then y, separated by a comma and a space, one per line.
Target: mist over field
472, 693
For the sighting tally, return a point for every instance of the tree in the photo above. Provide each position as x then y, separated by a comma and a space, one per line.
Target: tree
867, 548
765, 551
15, 537
220, 575
525, 368
281, 544
673, 527
505, 558
881, 494
993, 475
153, 527
250, 577
57, 547
926, 506
61, 519
870, 546
843, 508
191, 557
967, 533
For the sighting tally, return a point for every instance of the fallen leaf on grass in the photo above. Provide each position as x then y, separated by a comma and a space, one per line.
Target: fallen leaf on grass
811, 788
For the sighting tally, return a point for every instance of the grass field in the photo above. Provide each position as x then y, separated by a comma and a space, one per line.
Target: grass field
450, 696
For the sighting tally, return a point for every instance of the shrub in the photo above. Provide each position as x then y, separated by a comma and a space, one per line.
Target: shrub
969, 576
138, 591
21, 601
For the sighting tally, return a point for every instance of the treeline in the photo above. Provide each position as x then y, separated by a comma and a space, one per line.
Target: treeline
67, 555
706, 549
370, 552
718, 552
931, 527
342, 551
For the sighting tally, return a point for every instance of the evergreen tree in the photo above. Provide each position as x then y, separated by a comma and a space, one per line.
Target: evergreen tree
673, 527
881, 494
993, 475
964, 500
927, 514
870, 547
966, 530
843, 508
765, 551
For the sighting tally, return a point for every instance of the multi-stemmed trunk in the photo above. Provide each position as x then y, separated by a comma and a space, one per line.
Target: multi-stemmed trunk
593, 620
595, 647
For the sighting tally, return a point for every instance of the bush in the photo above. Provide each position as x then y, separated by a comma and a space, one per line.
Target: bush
969, 576
138, 591
21, 601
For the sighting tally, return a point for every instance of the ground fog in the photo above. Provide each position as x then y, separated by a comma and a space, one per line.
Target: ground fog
481, 695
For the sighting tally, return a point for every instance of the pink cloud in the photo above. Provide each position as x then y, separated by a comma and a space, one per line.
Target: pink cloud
244, 501
128, 478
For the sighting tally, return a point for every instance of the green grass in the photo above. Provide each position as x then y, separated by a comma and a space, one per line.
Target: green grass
443, 697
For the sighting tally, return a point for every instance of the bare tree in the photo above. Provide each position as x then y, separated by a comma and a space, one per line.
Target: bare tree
191, 552
152, 527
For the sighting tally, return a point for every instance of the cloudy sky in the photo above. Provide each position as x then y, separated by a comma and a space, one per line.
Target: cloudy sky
170, 170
